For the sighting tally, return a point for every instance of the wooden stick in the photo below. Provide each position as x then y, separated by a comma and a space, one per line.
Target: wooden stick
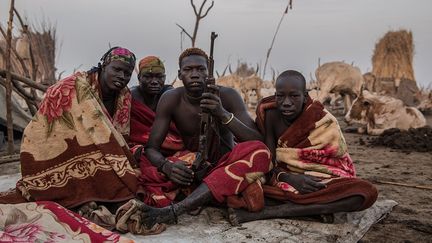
289, 6
18, 57
9, 81
21, 92
9, 158
25, 80
403, 184
26, 31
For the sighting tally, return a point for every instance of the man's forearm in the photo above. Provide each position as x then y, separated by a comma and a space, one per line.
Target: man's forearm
155, 157
240, 130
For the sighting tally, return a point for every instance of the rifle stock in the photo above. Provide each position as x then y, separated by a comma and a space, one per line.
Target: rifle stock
206, 119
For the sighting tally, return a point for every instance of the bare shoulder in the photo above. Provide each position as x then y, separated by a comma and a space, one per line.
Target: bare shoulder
230, 96
228, 91
171, 97
173, 94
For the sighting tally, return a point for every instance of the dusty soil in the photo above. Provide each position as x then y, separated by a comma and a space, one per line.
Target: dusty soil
415, 139
377, 161
411, 220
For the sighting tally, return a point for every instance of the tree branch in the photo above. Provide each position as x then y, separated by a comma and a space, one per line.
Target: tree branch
194, 8
19, 17
208, 10
25, 80
183, 29
201, 8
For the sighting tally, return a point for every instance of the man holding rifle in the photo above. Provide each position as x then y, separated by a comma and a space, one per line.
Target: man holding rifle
231, 173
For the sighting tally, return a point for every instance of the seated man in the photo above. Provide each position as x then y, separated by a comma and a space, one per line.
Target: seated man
145, 97
232, 167
73, 151
313, 172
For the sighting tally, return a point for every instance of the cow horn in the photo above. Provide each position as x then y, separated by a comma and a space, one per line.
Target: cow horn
273, 74
257, 69
224, 71
229, 68
361, 90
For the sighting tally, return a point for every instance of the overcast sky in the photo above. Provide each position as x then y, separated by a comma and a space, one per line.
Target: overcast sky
330, 29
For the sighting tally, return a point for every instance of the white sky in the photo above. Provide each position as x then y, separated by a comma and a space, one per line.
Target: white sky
329, 29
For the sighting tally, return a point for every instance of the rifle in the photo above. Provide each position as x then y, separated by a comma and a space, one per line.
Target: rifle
206, 122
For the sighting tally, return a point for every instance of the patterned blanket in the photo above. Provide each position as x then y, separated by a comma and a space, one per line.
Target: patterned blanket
49, 222
73, 151
314, 145
231, 175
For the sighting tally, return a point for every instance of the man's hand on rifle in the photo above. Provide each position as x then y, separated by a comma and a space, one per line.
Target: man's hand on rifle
178, 173
212, 103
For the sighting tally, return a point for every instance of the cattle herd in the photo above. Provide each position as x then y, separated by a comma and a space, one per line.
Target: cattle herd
364, 102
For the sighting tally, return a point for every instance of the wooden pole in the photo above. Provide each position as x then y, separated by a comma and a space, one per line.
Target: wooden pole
9, 81
289, 6
404, 184
27, 81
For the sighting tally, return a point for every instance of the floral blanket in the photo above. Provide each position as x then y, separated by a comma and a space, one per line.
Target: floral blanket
73, 151
312, 145
49, 222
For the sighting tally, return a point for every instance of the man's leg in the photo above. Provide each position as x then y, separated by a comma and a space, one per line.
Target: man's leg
200, 196
288, 209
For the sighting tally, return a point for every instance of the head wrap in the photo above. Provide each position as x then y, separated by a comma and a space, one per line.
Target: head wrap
119, 54
151, 64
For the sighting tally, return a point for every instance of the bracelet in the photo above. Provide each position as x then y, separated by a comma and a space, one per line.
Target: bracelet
229, 120
160, 167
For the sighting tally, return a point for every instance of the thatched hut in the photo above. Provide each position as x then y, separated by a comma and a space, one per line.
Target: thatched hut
42, 45
393, 65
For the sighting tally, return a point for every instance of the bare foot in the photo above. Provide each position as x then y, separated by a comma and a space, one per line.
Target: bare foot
151, 216
232, 217
138, 218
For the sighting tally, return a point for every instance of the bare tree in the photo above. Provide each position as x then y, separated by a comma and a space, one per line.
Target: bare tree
199, 14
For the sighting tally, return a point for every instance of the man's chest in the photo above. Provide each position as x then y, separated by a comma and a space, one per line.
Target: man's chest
187, 119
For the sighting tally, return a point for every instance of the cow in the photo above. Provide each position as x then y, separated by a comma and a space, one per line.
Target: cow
379, 113
249, 85
423, 99
339, 78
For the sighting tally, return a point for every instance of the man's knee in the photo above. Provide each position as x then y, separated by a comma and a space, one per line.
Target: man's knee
368, 194
253, 144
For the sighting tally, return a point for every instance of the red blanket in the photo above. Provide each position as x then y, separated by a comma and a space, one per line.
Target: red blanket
244, 165
142, 118
314, 145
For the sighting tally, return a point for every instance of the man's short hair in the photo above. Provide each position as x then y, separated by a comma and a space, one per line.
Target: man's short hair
192, 51
293, 74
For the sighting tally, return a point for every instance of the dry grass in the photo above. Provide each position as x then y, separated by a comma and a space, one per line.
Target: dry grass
393, 56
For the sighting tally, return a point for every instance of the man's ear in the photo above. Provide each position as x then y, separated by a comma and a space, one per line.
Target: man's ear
178, 74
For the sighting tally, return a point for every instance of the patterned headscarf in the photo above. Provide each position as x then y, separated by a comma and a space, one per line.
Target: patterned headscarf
151, 64
119, 54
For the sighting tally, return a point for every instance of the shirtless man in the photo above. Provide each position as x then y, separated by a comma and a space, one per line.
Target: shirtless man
228, 175
145, 97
